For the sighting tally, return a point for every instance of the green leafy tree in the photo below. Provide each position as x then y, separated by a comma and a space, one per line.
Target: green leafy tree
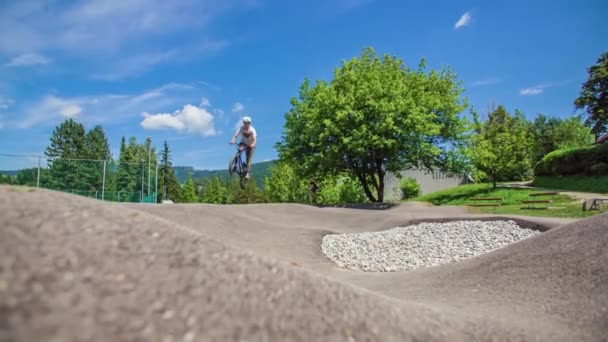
250, 194
375, 116
341, 189
282, 185
216, 193
501, 147
6, 179
167, 182
29, 177
593, 97
550, 134
188, 191
573, 133
68, 144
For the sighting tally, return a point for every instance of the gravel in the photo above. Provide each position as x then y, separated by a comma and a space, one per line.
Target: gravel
421, 245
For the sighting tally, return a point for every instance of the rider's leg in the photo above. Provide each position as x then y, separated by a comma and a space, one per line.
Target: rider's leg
249, 153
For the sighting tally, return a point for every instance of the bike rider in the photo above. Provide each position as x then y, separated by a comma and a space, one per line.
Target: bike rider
248, 141
313, 188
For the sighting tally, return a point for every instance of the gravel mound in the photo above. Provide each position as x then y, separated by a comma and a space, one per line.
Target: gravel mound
421, 245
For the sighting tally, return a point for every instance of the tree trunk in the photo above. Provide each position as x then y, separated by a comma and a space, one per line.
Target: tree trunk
365, 185
380, 188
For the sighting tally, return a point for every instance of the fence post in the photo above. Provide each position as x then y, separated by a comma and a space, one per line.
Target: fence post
141, 196
103, 182
156, 186
149, 158
38, 176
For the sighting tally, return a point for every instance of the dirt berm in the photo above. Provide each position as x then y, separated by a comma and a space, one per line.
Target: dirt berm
75, 269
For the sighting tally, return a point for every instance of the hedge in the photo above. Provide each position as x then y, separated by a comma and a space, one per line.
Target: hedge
589, 161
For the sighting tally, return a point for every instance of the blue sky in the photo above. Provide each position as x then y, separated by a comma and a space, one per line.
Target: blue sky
188, 70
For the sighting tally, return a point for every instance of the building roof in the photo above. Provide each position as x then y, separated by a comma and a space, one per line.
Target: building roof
602, 139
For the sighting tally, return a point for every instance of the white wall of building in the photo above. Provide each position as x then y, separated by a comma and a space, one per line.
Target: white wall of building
429, 182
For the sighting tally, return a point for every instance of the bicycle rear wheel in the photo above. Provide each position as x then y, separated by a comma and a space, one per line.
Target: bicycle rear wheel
244, 182
319, 199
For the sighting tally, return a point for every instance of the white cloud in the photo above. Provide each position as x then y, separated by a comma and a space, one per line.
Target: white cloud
134, 65
116, 38
485, 82
238, 107
103, 25
104, 108
50, 108
141, 63
189, 119
536, 90
540, 88
70, 110
464, 20
205, 102
27, 59
5, 102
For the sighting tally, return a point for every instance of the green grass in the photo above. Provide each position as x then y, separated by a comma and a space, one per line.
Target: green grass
574, 183
511, 204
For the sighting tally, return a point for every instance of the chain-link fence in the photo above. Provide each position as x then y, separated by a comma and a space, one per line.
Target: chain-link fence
106, 180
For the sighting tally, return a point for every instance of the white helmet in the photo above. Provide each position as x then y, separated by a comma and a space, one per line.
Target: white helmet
247, 119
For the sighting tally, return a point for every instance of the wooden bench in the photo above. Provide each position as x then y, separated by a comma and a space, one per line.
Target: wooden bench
548, 202
498, 203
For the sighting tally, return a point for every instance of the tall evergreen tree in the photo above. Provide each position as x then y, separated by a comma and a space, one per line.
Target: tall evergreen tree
126, 178
97, 151
167, 182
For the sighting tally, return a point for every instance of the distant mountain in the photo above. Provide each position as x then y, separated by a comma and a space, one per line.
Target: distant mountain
258, 170
9, 172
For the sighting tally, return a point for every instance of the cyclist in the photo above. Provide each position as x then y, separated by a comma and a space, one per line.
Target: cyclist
313, 188
248, 141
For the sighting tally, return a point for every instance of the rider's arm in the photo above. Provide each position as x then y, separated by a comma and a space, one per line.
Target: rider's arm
236, 135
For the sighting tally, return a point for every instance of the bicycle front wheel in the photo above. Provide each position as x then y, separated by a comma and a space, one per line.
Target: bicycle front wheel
319, 199
232, 166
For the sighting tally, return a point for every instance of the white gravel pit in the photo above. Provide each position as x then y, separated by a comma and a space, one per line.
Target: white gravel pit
421, 245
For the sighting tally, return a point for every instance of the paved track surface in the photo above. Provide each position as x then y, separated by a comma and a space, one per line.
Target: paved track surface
74, 269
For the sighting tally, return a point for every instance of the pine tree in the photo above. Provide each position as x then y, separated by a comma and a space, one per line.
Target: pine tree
97, 151
126, 179
167, 182
147, 155
188, 191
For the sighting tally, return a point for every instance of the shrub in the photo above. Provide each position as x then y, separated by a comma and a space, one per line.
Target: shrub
409, 188
574, 161
599, 169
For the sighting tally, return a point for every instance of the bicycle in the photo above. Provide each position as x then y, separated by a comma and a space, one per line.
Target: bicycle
314, 197
238, 166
